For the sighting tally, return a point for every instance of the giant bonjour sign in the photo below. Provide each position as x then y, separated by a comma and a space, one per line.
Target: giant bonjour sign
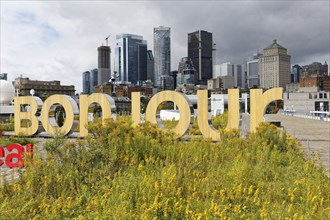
258, 104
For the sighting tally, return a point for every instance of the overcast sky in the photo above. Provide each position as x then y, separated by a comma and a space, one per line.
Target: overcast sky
57, 40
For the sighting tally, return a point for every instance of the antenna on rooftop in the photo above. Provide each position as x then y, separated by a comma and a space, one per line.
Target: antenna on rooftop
106, 39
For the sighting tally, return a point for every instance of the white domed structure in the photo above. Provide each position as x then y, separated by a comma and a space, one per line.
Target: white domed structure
7, 92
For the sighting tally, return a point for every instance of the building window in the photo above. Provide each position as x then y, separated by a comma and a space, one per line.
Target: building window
325, 96
321, 95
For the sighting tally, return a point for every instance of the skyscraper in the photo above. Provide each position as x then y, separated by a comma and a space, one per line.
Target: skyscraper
93, 80
200, 47
89, 81
226, 69
150, 66
275, 66
131, 58
295, 75
186, 72
86, 83
239, 76
162, 53
104, 71
252, 69
234, 70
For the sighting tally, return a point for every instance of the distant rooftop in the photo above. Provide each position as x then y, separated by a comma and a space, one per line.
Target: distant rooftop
162, 28
126, 35
275, 45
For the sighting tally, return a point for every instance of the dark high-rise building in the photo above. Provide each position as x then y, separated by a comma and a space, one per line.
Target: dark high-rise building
186, 72
200, 48
239, 76
295, 73
104, 71
86, 82
162, 54
166, 82
93, 79
185, 65
3, 76
89, 81
131, 58
150, 66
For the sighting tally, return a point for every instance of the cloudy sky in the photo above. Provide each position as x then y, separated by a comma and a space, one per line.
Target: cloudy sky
57, 40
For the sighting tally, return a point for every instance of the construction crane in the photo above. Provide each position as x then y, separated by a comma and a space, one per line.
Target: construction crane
106, 39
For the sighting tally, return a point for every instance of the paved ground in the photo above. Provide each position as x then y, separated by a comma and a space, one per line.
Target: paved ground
314, 135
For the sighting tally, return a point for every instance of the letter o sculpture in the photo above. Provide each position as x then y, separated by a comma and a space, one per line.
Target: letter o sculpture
70, 108
183, 103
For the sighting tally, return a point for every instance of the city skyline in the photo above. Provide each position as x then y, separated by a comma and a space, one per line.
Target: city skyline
59, 40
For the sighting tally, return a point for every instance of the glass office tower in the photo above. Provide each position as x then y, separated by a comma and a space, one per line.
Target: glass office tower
200, 51
162, 53
131, 58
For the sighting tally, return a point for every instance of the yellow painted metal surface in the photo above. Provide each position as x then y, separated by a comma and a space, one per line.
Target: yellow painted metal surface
136, 108
105, 101
205, 128
30, 115
259, 102
183, 103
70, 108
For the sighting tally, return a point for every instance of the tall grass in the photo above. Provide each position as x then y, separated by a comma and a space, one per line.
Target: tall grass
122, 172
7, 125
4, 141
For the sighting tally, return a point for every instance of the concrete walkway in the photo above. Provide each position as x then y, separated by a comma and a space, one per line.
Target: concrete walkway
314, 135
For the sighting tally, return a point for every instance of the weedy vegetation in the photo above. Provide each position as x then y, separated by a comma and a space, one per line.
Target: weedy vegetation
7, 125
125, 172
4, 141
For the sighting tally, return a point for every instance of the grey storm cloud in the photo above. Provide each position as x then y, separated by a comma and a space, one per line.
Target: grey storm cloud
58, 39
241, 28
